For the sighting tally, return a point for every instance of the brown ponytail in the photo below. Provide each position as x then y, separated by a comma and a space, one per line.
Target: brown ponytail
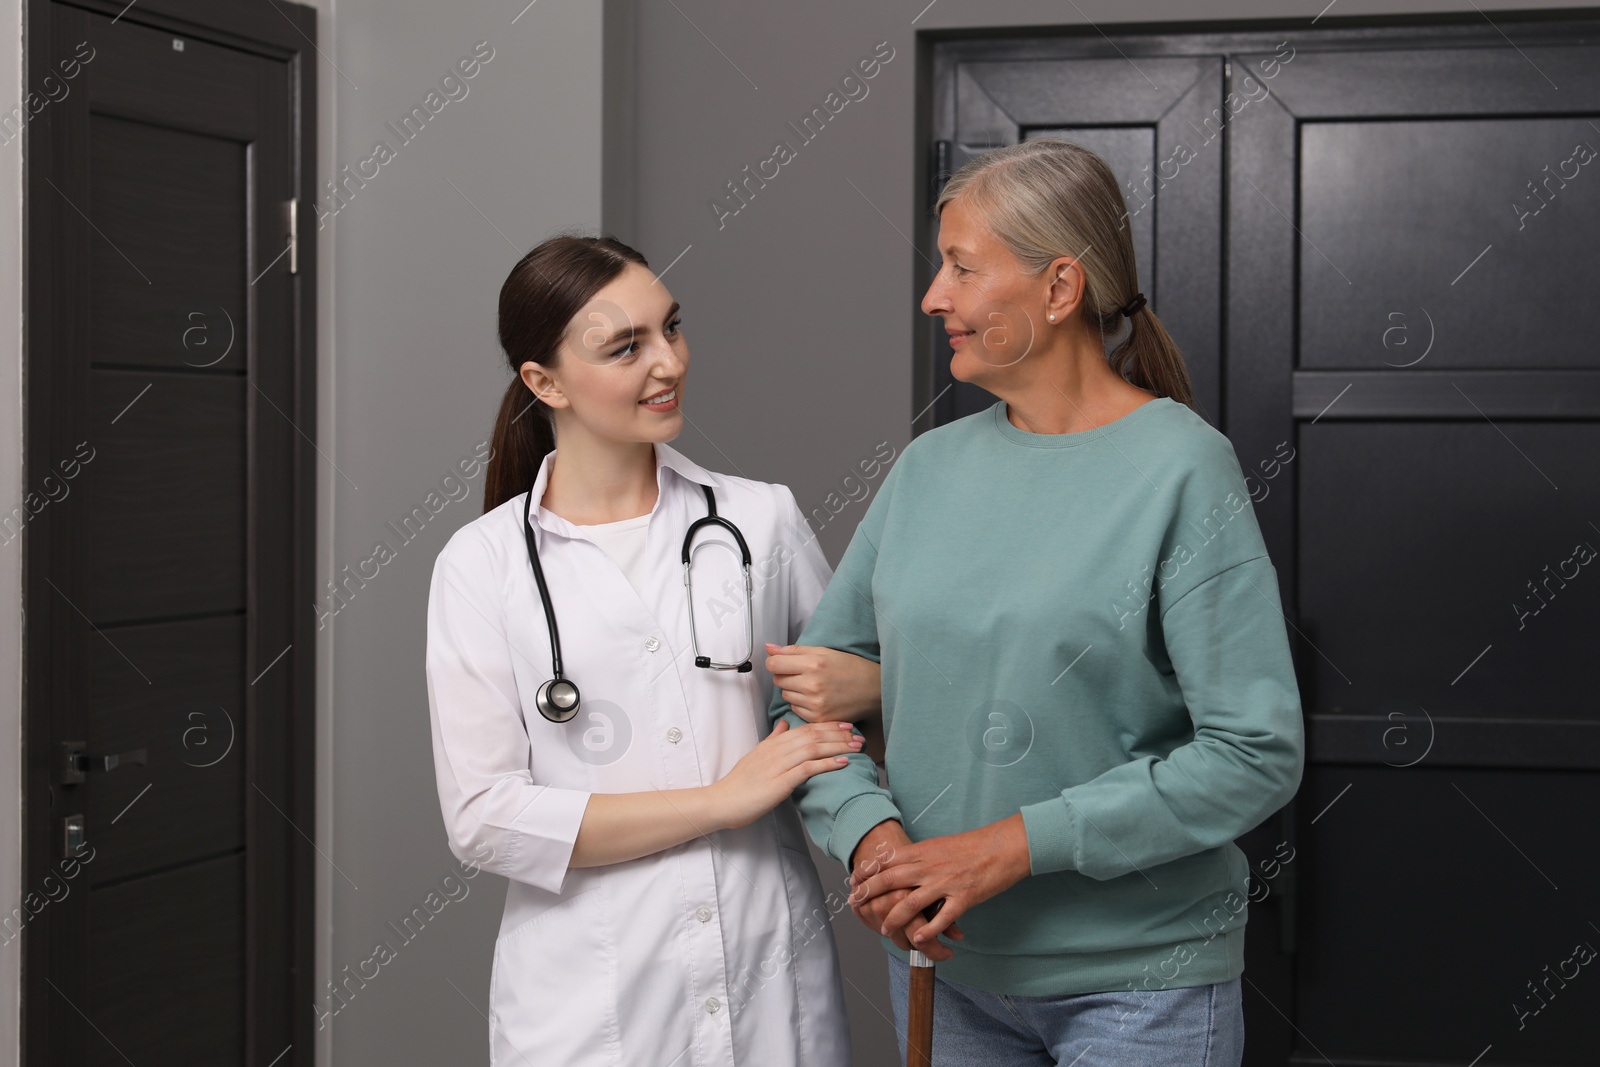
543, 292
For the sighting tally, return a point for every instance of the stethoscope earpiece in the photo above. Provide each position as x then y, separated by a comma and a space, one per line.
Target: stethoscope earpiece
705, 661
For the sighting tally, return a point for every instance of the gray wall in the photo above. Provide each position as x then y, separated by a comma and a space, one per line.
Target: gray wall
411, 376
799, 310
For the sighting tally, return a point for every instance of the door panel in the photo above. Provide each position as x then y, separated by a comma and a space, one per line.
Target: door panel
1418, 953
191, 186
1394, 213
166, 496
192, 915
163, 521
190, 796
1408, 504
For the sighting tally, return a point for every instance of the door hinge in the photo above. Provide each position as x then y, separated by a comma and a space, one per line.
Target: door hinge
294, 235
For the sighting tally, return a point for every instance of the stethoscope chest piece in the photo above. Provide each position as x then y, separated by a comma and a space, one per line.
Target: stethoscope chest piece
557, 700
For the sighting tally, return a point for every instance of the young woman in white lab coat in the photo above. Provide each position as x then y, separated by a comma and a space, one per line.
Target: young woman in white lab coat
662, 907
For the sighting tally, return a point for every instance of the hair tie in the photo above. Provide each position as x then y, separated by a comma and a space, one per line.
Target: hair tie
1133, 305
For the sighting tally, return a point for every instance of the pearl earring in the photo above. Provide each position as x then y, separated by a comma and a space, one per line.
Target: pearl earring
1052, 318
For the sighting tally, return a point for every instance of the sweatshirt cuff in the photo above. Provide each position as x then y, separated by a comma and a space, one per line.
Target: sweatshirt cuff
858, 815
1053, 836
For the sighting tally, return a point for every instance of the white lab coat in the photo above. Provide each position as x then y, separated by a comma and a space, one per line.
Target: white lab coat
635, 963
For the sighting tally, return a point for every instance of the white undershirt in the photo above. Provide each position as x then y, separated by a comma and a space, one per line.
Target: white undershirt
624, 542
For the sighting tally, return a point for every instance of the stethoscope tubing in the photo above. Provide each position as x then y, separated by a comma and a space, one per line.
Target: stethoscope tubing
558, 698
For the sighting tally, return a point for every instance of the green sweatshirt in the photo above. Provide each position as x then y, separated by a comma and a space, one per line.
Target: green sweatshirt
1084, 628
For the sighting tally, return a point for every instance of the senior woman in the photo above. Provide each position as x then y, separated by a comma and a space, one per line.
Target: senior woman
1087, 686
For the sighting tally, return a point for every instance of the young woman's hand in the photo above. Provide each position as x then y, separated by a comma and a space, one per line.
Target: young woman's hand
766, 775
826, 685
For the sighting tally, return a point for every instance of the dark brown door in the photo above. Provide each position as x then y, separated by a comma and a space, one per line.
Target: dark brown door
170, 652
1376, 248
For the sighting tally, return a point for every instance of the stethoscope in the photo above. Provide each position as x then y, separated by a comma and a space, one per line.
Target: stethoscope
558, 697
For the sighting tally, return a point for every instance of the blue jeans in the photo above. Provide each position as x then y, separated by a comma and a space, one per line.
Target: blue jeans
1188, 1026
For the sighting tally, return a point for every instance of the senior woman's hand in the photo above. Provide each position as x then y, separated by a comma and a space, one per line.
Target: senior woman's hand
826, 685
961, 869
878, 847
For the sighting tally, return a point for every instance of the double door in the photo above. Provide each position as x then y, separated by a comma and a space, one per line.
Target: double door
1376, 249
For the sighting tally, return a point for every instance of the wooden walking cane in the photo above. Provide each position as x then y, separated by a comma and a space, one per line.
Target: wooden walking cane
919, 1006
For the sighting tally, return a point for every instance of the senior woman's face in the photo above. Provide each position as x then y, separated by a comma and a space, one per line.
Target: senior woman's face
991, 306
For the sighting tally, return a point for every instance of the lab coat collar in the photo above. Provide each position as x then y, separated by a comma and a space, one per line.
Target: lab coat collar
667, 457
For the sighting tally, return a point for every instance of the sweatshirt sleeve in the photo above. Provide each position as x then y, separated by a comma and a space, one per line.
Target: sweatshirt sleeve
838, 807
481, 752
1230, 652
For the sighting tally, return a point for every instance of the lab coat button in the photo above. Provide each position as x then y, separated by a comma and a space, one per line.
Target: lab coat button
712, 1004
651, 644
674, 735
703, 914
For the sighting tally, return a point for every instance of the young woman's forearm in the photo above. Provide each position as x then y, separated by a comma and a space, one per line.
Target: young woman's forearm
624, 826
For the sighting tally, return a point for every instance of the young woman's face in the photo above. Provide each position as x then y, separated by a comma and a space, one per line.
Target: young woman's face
991, 306
622, 349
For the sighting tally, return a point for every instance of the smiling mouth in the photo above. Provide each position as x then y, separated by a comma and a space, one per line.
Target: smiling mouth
660, 398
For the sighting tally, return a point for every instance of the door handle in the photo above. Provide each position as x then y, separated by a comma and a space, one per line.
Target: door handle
76, 763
